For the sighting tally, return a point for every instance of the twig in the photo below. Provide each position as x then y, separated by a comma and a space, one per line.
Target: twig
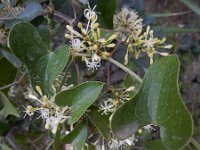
62, 16
195, 143
170, 14
49, 145
74, 11
66, 73
11, 141
133, 74
16, 82
115, 49
33, 144
77, 72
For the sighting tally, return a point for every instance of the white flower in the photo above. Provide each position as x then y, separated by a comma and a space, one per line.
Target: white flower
55, 119
116, 144
29, 110
77, 44
95, 63
52, 114
149, 41
90, 13
44, 113
106, 106
149, 127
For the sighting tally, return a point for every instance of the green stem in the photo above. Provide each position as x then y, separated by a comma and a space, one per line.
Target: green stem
133, 74
195, 143
57, 142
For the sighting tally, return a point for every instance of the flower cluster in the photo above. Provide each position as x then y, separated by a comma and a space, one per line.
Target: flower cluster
110, 105
115, 144
127, 21
89, 43
48, 110
130, 30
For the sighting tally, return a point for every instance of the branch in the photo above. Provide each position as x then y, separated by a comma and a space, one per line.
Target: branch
133, 74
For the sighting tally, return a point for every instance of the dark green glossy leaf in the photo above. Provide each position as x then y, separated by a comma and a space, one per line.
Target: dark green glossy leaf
76, 137
8, 108
43, 66
154, 145
101, 122
7, 73
79, 98
45, 35
158, 101
107, 11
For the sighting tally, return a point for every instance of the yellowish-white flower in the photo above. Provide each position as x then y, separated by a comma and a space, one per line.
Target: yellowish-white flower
29, 110
88, 42
116, 144
95, 62
52, 114
107, 106
127, 22
150, 127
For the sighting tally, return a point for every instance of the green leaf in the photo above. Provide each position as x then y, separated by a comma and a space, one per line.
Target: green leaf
101, 122
45, 35
7, 73
57, 140
4, 147
107, 11
130, 81
8, 108
192, 6
43, 66
76, 137
158, 101
79, 98
154, 145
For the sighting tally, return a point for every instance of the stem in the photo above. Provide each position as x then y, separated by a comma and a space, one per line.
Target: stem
65, 76
77, 72
133, 74
195, 143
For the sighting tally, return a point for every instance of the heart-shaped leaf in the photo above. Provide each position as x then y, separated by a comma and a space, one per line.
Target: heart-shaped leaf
76, 137
79, 98
43, 66
158, 101
8, 108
